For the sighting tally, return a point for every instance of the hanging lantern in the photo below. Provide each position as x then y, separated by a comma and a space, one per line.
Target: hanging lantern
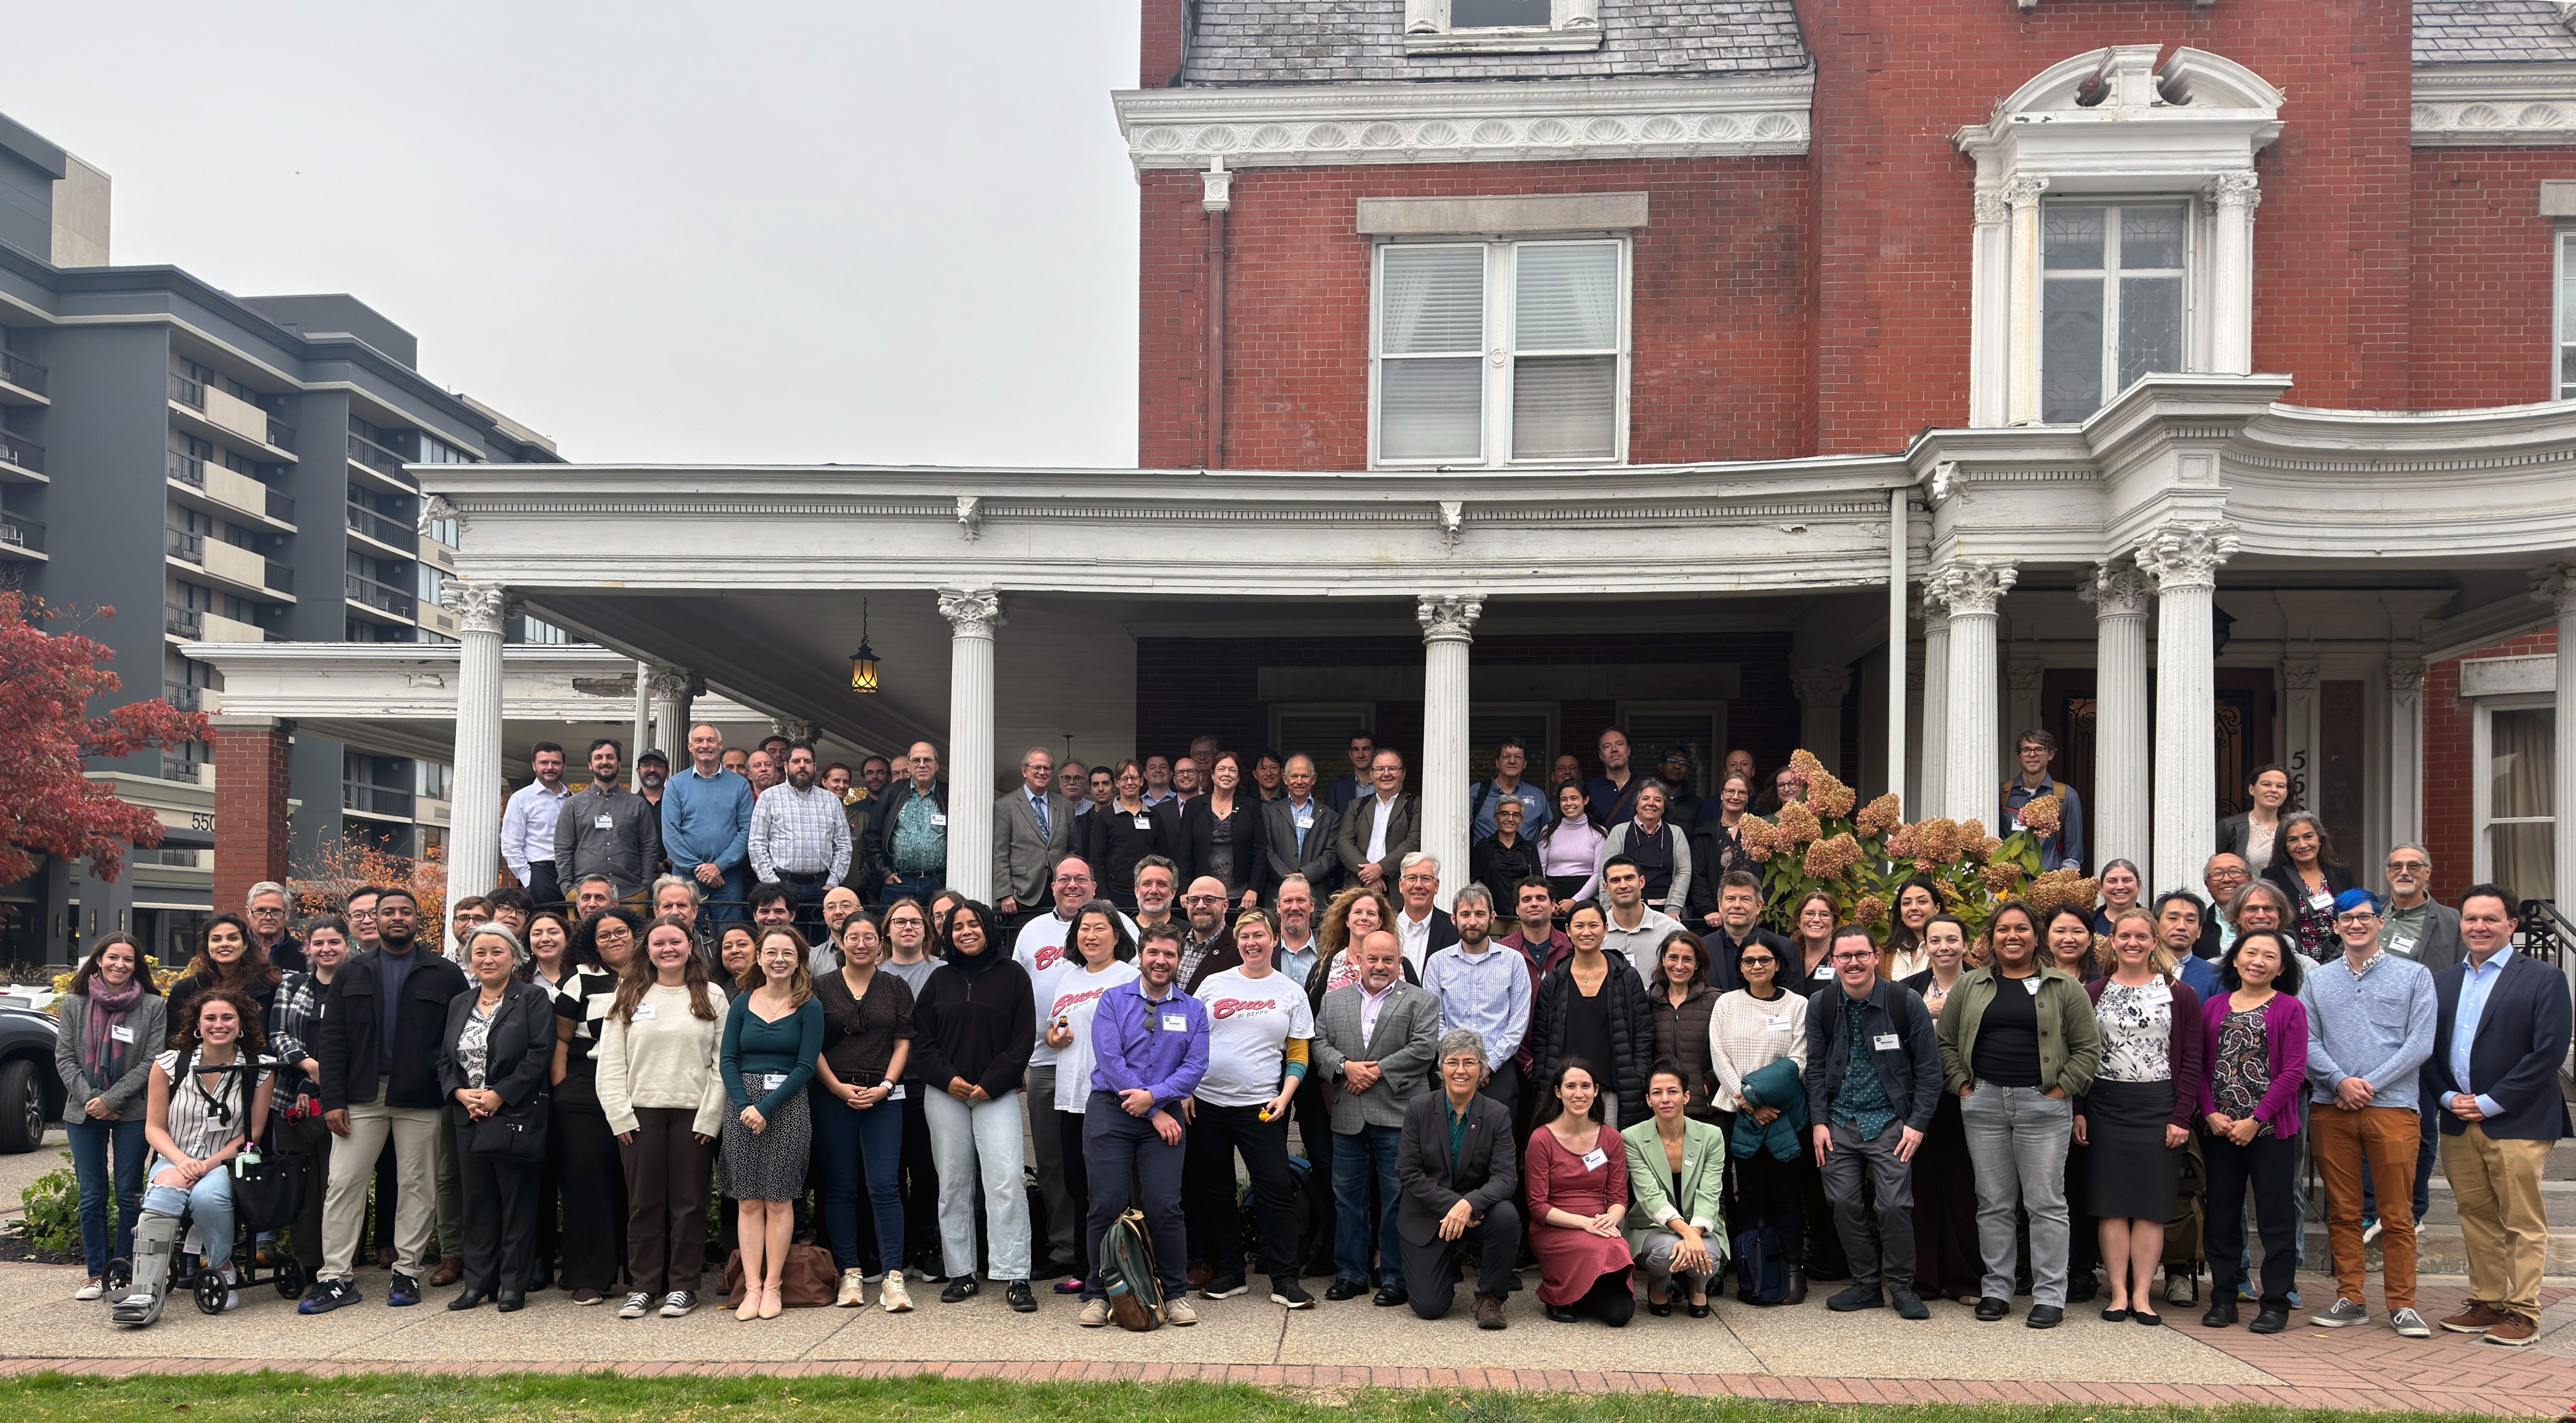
863, 663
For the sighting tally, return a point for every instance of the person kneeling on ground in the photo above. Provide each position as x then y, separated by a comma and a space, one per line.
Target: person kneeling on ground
1456, 1169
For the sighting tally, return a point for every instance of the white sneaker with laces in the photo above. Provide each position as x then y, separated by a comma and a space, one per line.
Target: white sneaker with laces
92, 1290
895, 1298
2339, 1314
1095, 1313
854, 1290
1179, 1311
2409, 1323
678, 1303
2370, 1230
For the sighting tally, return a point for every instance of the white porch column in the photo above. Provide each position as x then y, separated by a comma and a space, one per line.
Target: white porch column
1973, 586
1934, 761
474, 833
971, 614
2183, 558
2233, 196
2022, 405
672, 689
1821, 690
1448, 628
1990, 326
640, 736
2405, 750
2120, 804
1897, 684
2556, 586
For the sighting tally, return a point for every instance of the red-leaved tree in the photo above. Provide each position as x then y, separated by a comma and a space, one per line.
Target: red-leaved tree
47, 680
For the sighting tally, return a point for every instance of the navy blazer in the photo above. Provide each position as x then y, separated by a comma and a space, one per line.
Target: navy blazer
2522, 1038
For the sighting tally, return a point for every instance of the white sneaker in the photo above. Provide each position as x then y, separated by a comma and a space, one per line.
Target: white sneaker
2370, 1230
895, 1298
854, 1290
1095, 1313
637, 1306
1179, 1311
2408, 1323
92, 1290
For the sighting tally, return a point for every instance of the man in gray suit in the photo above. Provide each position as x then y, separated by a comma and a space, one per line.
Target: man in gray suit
1298, 833
1032, 833
1381, 828
1375, 1041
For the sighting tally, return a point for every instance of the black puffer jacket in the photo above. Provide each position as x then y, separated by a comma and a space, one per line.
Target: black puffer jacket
1632, 1031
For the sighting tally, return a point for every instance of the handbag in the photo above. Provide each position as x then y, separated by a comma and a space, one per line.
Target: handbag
515, 1134
269, 1188
809, 1279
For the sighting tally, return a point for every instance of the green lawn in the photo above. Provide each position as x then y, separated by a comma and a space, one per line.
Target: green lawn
600, 1398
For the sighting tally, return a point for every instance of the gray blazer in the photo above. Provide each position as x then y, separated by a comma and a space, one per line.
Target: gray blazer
1321, 862
1403, 833
150, 1020
1024, 861
2440, 946
1405, 1045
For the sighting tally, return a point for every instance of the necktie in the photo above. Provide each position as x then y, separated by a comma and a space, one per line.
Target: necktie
1038, 804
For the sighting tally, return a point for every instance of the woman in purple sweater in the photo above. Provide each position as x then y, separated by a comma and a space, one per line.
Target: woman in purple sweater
2257, 1037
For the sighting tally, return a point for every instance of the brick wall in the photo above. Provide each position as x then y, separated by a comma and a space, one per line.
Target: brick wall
2450, 768
1721, 337
251, 833
1187, 687
2483, 272
1896, 78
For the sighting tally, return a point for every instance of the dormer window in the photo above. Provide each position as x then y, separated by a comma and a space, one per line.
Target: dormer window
1500, 26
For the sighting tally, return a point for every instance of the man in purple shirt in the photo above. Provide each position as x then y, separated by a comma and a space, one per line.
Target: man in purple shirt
1149, 1048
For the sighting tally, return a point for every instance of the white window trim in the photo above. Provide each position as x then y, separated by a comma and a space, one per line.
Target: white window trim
2481, 780
2562, 322
1572, 25
2195, 218
1501, 349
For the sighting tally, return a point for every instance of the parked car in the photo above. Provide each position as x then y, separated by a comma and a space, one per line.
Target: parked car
30, 1094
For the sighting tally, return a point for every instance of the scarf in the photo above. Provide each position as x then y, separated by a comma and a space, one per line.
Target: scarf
102, 1056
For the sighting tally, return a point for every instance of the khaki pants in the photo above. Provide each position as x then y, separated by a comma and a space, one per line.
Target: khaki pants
2387, 1137
2497, 1185
414, 1132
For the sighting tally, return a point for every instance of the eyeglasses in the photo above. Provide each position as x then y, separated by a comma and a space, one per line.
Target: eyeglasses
1756, 961
1202, 899
1460, 1062
1855, 958
2407, 867
2357, 916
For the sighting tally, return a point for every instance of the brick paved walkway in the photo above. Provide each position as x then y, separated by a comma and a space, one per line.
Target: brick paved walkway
2361, 1369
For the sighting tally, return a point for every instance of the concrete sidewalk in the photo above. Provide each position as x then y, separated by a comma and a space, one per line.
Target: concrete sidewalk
1805, 1353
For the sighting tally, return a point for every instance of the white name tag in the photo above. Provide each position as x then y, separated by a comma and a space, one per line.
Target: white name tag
2321, 901
1823, 972
772, 1081
1778, 1022
643, 1011
121, 1033
894, 1093
1306, 818
604, 823
939, 820
1144, 822
1176, 1022
1884, 1042
2403, 947
2012, 825
1593, 1159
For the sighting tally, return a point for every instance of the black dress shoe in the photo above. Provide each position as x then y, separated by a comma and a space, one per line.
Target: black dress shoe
2222, 1312
1341, 1289
2113, 1316
1390, 1296
959, 1290
2270, 1321
1697, 1311
1991, 1309
2081, 1288
469, 1298
1017, 1293
1856, 1297
1660, 1309
1562, 1315
512, 1301
2044, 1316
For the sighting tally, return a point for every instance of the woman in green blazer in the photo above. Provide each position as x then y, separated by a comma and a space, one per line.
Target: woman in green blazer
1675, 1166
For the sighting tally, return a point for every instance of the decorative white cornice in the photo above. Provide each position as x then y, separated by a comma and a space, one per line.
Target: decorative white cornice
1449, 617
2299, 674
433, 509
2186, 553
1492, 122
2555, 585
971, 612
2405, 676
1971, 587
2494, 105
2117, 592
479, 607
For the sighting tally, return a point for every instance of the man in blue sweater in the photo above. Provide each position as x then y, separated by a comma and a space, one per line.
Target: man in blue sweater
2370, 1028
706, 827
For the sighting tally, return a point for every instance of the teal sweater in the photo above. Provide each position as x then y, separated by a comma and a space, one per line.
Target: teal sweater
787, 1046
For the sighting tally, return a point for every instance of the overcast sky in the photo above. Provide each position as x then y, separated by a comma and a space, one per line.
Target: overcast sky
654, 231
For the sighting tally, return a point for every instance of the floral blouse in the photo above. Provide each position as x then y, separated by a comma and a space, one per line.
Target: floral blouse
2137, 1032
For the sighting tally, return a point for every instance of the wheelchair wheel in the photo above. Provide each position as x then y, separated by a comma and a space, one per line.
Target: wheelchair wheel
120, 1273
210, 1291
290, 1278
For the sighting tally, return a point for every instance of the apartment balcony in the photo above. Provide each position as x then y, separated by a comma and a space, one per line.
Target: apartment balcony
186, 624
22, 461
213, 414
239, 569
21, 538
431, 810
390, 534
202, 625
381, 464
22, 381
206, 485
371, 596
365, 798
183, 696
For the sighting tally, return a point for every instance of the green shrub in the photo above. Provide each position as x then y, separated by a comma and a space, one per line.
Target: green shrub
51, 1204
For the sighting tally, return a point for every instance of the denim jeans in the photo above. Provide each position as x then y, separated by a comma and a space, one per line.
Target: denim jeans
727, 903
922, 887
91, 1145
211, 1201
972, 1144
1362, 1159
2017, 1140
851, 1143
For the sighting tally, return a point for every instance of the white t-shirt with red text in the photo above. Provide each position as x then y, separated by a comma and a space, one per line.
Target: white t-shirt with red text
1077, 1000
1041, 950
1250, 1021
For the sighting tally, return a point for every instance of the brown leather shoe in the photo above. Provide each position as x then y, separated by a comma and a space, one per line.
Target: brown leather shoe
1489, 1312
2514, 1332
2478, 1318
1201, 1274
449, 1271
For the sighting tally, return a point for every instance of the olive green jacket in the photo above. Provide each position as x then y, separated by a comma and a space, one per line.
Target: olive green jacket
2070, 1043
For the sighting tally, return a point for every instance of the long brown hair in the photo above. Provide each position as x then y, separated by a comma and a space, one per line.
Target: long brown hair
89, 967
800, 984
1334, 930
640, 975
253, 966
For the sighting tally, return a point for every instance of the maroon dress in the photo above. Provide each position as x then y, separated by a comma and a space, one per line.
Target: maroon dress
1571, 1261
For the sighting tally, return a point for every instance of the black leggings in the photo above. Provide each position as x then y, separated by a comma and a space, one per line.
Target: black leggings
1610, 1300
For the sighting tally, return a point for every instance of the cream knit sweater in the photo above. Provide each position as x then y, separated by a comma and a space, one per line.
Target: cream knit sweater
665, 1058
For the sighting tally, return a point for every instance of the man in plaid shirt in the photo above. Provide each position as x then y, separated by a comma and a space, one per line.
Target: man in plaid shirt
800, 837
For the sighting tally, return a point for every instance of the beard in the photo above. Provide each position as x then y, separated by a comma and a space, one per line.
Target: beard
399, 943
802, 780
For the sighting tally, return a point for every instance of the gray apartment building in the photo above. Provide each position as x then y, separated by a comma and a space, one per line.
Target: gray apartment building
218, 468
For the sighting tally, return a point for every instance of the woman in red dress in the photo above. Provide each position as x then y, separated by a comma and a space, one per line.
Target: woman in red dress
1578, 1196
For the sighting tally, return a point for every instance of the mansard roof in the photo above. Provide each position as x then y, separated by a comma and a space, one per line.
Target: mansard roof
2491, 32
1340, 41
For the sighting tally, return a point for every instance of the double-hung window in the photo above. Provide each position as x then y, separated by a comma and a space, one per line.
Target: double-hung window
1501, 353
2111, 308
2563, 383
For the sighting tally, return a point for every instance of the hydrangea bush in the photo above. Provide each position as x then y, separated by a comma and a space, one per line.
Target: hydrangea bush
1862, 854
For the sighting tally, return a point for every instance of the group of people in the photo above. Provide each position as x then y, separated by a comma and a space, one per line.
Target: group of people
1551, 1072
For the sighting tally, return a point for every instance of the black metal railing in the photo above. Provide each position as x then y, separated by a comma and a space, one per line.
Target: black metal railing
185, 546
187, 392
188, 469
22, 533
21, 372
277, 577
26, 454
377, 595
189, 623
2547, 934
280, 433
376, 457
183, 696
280, 507
371, 799
390, 532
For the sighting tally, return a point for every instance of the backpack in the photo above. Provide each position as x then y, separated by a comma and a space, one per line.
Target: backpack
1126, 1268
1761, 1273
